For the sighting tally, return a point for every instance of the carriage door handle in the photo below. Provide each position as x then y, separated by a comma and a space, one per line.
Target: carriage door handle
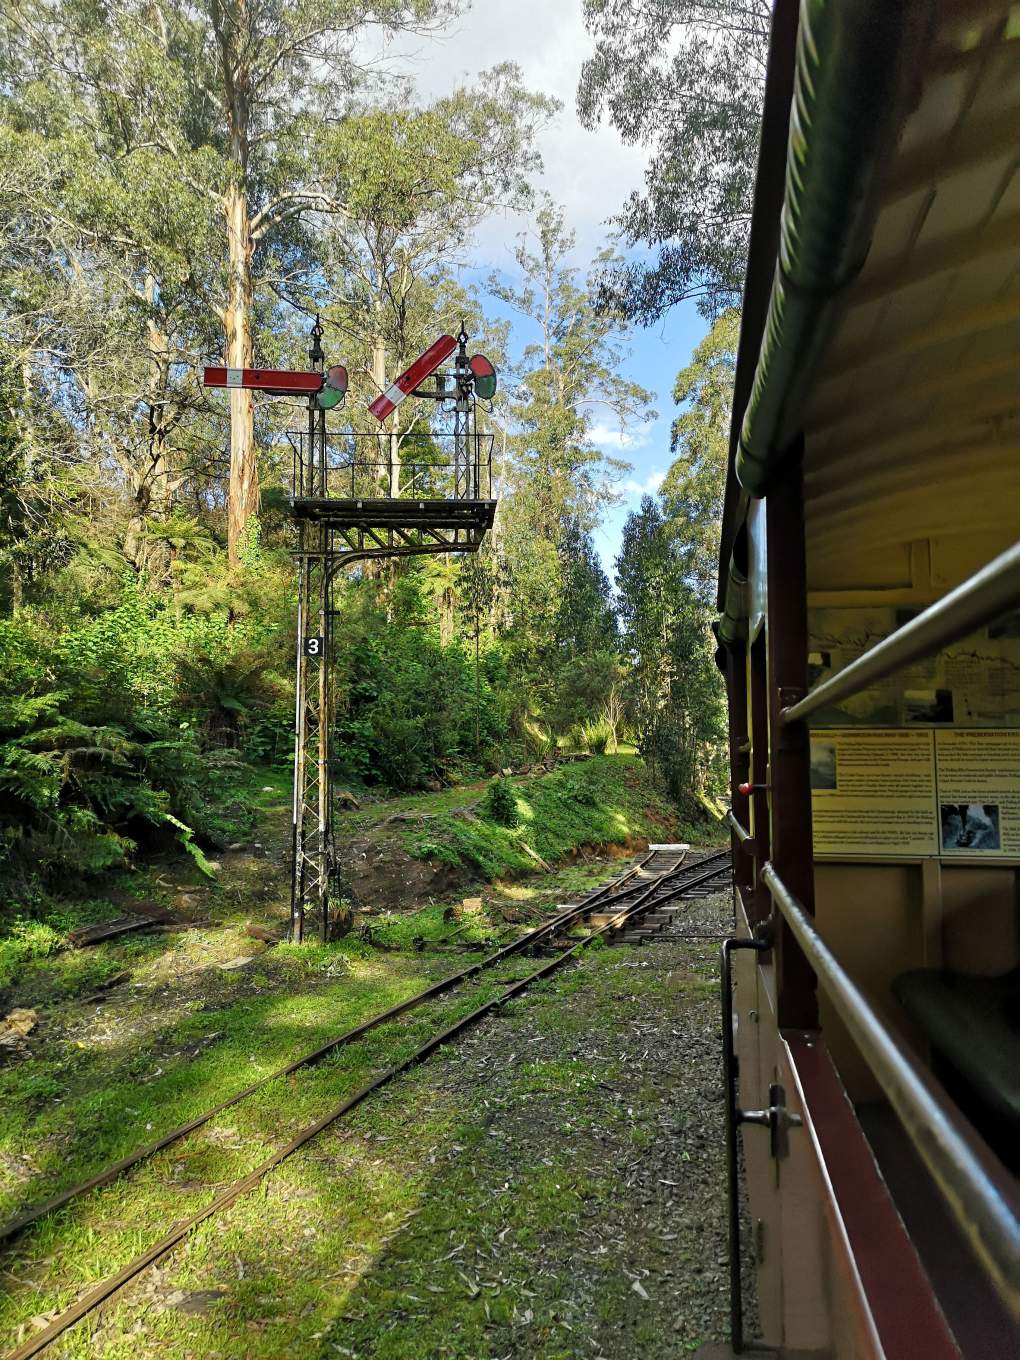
776, 1118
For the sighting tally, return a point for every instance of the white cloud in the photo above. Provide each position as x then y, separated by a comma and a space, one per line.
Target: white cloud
613, 437
651, 484
589, 173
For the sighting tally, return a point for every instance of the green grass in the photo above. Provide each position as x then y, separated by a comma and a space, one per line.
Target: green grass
442, 1220
265, 786
432, 926
608, 800
101, 1121
86, 1102
31, 934
178, 1034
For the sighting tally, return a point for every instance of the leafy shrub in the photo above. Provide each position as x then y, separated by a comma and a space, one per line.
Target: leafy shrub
537, 742
440, 850
501, 803
92, 747
576, 789
406, 702
572, 739
26, 940
596, 736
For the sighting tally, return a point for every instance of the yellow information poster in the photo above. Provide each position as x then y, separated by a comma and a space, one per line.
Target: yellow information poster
978, 777
873, 791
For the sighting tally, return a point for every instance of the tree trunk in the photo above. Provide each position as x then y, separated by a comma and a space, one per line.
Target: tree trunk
134, 533
387, 452
25, 439
243, 489
234, 31
158, 471
446, 612
394, 461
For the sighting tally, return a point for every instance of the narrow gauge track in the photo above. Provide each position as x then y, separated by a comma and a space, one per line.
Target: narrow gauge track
644, 885
660, 911
650, 868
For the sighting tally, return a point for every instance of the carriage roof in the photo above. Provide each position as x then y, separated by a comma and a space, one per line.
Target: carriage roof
882, 303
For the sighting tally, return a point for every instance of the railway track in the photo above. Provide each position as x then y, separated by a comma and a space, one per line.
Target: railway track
663, 908
644, 892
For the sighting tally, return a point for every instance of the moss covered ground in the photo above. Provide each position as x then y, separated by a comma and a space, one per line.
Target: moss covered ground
599, 802
549, 1188
136, 1035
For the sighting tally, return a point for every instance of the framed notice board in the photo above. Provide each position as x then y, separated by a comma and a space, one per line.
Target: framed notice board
916, 792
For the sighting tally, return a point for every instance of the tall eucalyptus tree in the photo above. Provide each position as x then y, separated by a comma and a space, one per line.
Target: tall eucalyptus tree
685, 78
665, 576
213, 102
416, 182
566, 385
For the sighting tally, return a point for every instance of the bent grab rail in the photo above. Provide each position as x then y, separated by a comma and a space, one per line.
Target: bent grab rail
741, 832
978, 600
979, 1200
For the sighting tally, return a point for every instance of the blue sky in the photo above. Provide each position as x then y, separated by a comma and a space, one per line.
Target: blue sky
656, 354
589, 173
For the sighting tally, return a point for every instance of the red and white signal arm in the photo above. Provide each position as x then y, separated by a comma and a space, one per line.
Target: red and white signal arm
427, 363
278, 381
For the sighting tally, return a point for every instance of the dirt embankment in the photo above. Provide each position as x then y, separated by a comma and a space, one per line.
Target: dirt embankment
383, 876
397, 855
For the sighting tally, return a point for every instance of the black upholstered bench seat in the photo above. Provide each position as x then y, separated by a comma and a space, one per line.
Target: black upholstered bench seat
974, 1024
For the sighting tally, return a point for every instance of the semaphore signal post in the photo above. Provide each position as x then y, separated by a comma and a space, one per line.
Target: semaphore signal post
357, 496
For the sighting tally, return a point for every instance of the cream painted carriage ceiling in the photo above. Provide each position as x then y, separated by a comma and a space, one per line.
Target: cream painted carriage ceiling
913, 430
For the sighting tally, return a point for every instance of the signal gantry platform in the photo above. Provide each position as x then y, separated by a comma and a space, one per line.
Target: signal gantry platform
391, 492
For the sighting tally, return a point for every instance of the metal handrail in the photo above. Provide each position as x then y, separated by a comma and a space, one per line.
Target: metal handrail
981, 598
354, 465
978, 1199
731, 1113
741, 832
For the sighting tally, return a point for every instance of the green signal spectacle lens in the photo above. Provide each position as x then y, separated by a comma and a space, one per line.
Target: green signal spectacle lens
485, 376
334, 389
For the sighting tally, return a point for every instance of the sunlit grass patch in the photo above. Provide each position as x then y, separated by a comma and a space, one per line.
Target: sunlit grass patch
603, 801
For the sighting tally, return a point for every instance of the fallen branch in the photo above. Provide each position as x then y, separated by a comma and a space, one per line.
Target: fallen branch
106, 930
536, 857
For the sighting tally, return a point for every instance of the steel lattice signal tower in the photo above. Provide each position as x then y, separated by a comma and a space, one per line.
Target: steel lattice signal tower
360, 496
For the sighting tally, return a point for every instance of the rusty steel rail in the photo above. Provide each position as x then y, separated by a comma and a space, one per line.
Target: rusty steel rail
984, 1208
113, 1283
17, 1225
707, 875
615, 885
660, 891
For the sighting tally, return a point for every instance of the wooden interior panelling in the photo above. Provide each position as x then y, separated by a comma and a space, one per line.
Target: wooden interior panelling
980, 919
873, 918
918, 392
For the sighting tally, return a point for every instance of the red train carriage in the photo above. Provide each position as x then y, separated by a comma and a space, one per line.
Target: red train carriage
870, 636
